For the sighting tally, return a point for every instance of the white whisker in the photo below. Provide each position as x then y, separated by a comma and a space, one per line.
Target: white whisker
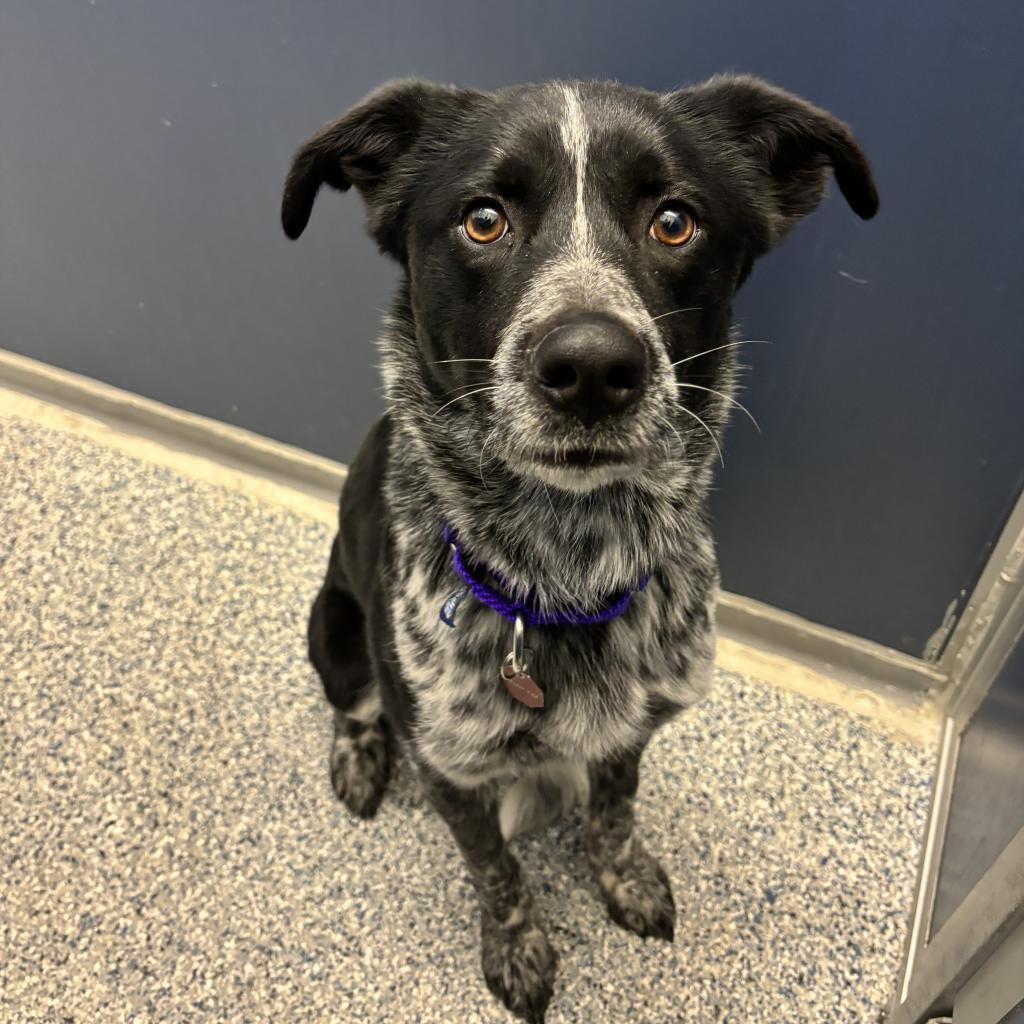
437, 362
728, 398
483, 448
663, 418
458, 398
461, 384
672, 312
708, 351
711, 433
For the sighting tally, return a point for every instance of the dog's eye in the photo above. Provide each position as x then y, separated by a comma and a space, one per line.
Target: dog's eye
673, 225
485, 223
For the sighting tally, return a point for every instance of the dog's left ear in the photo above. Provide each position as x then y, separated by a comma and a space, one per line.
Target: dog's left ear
374, 146
787, 143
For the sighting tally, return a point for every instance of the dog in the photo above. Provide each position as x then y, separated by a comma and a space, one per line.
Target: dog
523, 583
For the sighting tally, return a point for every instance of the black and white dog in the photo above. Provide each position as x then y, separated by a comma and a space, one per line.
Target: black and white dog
559, 367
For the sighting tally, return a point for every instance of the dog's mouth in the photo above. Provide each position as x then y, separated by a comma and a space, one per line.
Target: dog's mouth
582, 458
579, 468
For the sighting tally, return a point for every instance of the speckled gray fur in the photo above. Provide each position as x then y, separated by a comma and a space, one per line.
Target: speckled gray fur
172, 851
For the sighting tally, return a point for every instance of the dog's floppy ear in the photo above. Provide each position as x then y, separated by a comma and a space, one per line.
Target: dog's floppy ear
371, 146
789, 143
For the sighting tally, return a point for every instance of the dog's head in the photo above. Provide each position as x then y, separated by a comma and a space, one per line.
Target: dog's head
571, 253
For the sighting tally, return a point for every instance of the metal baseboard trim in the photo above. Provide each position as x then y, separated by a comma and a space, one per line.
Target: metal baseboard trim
860, 663
850, 660
234, 447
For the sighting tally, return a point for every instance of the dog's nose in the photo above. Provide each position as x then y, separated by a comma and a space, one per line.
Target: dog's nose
590, 367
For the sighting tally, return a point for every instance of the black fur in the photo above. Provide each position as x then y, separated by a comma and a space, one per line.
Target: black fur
575, 510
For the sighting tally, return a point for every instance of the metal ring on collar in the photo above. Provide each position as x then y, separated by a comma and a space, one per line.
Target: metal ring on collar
519, 647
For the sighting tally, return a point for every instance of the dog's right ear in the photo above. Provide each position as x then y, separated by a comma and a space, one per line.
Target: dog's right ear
371, 147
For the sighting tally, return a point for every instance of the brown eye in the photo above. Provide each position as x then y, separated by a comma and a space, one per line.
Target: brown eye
672, 225
485, 223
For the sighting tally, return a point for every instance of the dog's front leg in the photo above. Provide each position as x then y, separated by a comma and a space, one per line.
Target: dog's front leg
518, 961
634, 885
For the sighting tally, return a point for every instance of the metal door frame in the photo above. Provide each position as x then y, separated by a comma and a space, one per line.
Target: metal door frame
935, 966
989, 626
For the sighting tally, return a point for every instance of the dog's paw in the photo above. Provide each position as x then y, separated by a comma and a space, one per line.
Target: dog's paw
360, 764
639, 895
519, 966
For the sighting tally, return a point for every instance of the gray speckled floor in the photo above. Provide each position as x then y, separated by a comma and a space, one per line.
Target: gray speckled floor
172, 851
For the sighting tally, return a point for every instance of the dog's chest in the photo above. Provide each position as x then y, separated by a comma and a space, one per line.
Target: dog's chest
604, 686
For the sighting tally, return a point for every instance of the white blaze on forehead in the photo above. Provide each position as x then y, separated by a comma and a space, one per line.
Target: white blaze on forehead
578, 275
575, 138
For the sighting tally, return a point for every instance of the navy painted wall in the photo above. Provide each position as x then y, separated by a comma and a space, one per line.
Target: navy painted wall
143, 145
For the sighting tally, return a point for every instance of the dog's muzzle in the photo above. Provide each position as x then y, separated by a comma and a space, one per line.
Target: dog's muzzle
589, 367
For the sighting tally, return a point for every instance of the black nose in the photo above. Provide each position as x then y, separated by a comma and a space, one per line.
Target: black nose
590, 367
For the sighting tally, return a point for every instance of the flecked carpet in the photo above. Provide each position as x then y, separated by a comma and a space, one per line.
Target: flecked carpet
171, 849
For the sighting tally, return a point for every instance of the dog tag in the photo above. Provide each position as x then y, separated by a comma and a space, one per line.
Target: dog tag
524, 688
514, 675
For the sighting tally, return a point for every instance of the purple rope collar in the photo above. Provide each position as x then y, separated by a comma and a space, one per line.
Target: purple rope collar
510, 608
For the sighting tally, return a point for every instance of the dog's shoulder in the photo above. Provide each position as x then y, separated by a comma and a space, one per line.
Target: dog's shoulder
363, 513
364, 482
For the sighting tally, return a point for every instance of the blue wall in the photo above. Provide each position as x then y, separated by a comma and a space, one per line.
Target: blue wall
143, 146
